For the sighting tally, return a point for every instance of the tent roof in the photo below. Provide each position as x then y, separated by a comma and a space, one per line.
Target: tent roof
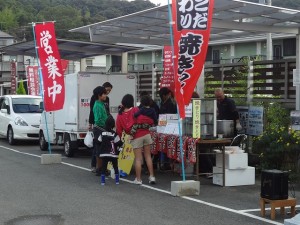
71, 50
231, 19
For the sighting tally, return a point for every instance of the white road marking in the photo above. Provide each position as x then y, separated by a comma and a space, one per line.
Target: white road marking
72, 165
240, 212
255, 210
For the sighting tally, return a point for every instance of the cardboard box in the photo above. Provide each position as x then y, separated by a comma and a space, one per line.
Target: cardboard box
232, 161
234, 177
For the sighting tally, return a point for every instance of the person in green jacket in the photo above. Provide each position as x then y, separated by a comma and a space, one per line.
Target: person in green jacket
100, 117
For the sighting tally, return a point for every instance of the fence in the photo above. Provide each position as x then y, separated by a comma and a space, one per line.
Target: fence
254, 81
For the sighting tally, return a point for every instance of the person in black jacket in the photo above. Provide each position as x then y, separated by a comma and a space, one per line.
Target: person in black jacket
109, 149
146, 109
168, 105
152, 103
108, 87
227, 109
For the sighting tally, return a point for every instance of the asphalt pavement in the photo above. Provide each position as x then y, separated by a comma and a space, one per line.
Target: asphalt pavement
69, 194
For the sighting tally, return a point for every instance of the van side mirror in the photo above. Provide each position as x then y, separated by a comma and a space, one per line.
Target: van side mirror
4, 111
42, 106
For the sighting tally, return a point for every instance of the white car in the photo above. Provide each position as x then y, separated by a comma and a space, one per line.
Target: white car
20, 117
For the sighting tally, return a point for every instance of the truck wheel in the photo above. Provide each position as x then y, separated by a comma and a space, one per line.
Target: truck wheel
42, 141
10, 136
69, 152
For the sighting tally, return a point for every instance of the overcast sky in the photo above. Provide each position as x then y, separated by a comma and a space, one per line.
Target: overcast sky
162, 2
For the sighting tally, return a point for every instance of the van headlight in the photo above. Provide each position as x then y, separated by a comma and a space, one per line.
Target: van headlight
20, 122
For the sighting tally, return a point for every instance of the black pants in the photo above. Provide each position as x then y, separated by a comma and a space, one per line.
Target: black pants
96, 146
206, 161
163, 160
105, 161
94, 153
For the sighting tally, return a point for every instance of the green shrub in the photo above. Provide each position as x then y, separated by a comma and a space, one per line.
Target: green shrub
21, 90
278, 146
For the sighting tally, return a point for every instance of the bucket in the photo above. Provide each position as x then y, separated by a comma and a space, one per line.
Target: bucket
225, 127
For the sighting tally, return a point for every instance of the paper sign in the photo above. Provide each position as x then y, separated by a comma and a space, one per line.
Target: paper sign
162, 120
196, 118
255, 120
296, 77
170, 128
189, 110
126, 157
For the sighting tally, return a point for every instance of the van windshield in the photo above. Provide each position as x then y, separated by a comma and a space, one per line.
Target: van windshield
26, 105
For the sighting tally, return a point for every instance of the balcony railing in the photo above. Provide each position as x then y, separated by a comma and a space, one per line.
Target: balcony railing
5, 66
115, 69
159, 66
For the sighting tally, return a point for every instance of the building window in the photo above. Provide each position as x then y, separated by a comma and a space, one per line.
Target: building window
289, 47
209, 54
89, 62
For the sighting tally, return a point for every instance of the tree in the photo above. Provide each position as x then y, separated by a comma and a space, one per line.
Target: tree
8, 19
21, 90
66, 17
16, 15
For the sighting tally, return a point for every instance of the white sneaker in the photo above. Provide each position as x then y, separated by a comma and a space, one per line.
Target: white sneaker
93, 169
138, 182
152, 180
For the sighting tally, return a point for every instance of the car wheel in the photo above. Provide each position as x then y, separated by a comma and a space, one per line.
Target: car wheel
69, 152
10, 136
42, 141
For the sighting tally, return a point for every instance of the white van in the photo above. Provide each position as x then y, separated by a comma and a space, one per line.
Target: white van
69, 125
20, 117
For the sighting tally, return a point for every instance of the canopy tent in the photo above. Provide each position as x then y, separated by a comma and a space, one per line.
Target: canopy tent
231, 19
71, 50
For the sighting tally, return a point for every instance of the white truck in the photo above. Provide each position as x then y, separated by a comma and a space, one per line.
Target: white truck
69, 125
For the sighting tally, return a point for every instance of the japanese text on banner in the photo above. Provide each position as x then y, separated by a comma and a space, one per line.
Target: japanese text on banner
33, 81
191, 35
50, 62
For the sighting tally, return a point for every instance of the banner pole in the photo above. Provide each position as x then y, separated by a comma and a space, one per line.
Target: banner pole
41, 85
175, 72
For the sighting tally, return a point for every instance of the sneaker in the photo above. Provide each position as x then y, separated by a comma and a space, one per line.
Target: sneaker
138, 182
209, 176
152, 180
93, 169
102, 179
117, 178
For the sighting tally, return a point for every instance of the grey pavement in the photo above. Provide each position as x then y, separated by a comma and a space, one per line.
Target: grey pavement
68, 194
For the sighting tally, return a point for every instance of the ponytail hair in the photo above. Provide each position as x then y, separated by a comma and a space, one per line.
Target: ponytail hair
121, 109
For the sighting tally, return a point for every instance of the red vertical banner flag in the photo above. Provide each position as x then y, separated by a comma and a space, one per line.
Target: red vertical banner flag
191, 30
51, 68
167, 80
13, 80
33, 80
64, 65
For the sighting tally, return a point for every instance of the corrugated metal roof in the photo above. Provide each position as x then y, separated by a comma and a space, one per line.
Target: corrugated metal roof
72, 50
231, 19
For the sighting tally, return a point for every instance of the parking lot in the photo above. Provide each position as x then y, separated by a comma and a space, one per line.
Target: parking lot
70, 194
